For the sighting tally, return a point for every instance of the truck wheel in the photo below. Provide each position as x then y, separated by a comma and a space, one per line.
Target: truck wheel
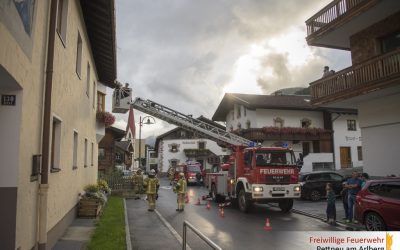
286, 205
215, 196
244, 205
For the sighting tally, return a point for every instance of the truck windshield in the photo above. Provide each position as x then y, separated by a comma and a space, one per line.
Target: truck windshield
278, 158
193, 168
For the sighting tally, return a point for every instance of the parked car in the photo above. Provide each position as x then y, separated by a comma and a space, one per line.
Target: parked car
378, 205
313, 184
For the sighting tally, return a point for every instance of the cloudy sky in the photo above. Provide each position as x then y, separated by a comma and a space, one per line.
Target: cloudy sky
186, 54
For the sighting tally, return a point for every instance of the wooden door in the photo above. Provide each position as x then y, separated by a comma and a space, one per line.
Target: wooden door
345, 157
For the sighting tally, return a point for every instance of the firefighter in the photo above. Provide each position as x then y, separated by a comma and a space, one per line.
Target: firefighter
138, 183
152, 184
180, 190
171, 175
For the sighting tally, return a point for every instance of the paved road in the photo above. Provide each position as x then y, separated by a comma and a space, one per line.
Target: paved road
238, 230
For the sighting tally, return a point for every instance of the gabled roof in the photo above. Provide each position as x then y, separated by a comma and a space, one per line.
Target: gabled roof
286, 102
131, 123
99, 18
124, 145
118, 133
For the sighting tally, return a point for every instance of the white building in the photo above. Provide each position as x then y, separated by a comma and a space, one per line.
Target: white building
328, 138
178, 146
370, 30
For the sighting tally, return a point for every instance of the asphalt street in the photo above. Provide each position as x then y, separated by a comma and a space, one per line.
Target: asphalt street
237, 230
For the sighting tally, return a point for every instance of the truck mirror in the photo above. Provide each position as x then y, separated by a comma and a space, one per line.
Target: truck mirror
301, 156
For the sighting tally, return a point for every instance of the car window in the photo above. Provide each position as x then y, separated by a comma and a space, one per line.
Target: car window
193, 168
389, 190
336, 177
326, 177
314, 177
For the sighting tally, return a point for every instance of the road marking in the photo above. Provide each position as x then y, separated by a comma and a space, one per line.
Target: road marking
165, 187
174, 233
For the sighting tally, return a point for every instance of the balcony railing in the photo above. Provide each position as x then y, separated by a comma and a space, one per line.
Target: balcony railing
371, 75
285, 133
330, 13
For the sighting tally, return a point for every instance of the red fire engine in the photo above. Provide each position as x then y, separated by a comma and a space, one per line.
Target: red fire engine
252, 174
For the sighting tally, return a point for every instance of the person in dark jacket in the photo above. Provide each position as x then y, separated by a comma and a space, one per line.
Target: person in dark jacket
345, 200
331, 205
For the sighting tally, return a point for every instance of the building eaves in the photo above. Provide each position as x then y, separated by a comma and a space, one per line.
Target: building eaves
99, 18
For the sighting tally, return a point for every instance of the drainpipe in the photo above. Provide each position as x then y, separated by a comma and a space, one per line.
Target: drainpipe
44, 186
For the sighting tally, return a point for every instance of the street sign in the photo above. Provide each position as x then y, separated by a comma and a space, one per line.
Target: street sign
8, 100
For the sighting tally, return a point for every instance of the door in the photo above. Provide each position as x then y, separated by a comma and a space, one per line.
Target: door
306, 148
345, 157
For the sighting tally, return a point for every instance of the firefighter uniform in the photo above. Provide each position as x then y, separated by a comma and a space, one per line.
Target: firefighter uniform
138, 182
180, 189
171, 175
151, 184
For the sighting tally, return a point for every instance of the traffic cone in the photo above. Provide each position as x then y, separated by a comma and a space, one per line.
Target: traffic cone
267, 226
208, 205
221, 212
198, 201
186, 199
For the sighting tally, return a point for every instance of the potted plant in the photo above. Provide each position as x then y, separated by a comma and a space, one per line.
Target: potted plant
105, 117
91, 202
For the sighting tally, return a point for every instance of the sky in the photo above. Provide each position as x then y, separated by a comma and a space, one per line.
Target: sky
186, 54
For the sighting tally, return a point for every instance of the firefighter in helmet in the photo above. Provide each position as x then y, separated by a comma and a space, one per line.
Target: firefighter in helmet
138, 183
151, 184
180, 190
171, 175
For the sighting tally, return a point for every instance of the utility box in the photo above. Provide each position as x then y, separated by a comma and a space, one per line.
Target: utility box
121, 100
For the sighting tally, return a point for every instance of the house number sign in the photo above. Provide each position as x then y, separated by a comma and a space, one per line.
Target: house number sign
8, 100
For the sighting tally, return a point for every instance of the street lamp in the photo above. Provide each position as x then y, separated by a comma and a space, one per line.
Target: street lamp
149, 120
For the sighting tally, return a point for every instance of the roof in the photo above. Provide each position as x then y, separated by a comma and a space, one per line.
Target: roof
124, 145
287, 102
131, 123
100, 24
119, 133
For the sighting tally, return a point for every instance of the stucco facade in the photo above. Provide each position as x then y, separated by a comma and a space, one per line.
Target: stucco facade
23, 58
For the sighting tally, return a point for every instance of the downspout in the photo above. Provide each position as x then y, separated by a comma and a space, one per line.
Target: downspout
44, 186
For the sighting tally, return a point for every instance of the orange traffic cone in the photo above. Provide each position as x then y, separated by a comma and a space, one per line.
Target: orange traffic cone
198, 201
267, 226
186, 199
208, 205
221, 212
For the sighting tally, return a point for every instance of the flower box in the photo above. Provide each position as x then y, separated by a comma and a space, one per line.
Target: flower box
89, 207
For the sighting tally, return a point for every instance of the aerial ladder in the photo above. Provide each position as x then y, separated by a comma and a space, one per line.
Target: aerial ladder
189, 123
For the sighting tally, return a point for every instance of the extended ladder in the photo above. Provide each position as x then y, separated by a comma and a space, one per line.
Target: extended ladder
189, 123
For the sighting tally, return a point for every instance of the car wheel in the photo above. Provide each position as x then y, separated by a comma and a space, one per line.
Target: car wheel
244, 205
373, 222
315, 195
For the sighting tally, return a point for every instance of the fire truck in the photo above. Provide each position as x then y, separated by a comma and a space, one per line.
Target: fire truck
253, 174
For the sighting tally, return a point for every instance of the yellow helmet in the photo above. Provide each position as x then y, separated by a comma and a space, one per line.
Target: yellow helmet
181, 174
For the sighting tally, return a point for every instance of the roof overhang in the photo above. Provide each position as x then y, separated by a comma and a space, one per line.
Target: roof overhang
99, 18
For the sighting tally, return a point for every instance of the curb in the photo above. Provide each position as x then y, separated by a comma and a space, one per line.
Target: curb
127, 232
343, 225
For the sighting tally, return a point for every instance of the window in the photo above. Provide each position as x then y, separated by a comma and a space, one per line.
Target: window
94, 94
248, 124
153, 155
174, 148
239, 126
100, 101
62, 13
244, 111
85, 157
102, 154
351, 125
336, 177
238, 108
390, 42
359, 152
56, 144
79, 56
389, 189
202, 145
92, 155
278, 122
75, 151
174, 163
88, 80
305, 123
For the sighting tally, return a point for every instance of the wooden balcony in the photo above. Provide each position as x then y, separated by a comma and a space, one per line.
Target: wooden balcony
375, 74
285, 134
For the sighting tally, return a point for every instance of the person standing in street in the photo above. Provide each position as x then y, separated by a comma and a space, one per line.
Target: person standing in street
180, 189
331, 205
345, 200
151, 184
354, 186
171, 175
138, 183
364, 178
